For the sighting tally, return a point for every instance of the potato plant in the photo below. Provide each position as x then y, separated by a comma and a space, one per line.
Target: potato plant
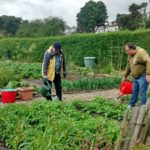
45, 125
100, 106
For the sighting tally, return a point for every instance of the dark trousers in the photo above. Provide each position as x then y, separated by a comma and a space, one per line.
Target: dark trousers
58, 87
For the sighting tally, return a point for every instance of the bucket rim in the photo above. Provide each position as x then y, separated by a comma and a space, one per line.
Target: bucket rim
8, 90
89, 57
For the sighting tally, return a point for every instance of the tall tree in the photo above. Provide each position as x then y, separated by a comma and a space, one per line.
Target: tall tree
30, 29
148, 21
9, 24
137, 18
48, 27
92, 15
54, 26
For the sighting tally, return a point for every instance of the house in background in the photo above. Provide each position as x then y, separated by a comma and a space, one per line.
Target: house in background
70, 30
109, 27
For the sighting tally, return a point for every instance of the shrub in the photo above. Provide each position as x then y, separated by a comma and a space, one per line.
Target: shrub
107, 47
6, 76
15, 71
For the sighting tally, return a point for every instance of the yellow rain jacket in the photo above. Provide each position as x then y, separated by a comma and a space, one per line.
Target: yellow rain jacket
48, 68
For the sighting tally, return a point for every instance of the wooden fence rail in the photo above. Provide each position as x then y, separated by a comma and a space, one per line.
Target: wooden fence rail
135, 128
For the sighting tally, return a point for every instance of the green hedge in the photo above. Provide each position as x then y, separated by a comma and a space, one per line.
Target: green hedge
107, 47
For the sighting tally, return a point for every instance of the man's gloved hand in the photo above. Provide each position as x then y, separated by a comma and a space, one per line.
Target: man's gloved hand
45, 79
65, 75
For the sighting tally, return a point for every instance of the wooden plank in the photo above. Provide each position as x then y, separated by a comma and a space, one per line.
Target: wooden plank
138, 125
125, 121
132, 124
146, 130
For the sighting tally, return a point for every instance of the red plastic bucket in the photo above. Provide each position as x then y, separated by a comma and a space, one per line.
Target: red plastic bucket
8, 95
126, 87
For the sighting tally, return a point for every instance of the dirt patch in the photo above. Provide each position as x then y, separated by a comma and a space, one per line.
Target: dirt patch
84, 96
88, 96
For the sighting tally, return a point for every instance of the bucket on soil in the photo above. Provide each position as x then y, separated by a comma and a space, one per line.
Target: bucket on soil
26, 94
8, 95
126, 87
90, 62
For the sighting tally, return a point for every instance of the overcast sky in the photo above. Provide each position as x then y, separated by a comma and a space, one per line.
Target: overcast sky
67, 9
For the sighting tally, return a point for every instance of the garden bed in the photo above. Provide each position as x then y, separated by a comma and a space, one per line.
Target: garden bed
55, 125
101, 106
79, 91
89, 84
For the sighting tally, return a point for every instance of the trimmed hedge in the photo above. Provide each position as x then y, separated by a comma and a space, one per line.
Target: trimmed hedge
107, 47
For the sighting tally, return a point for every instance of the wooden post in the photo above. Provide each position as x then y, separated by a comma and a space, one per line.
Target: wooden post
125, 122
132, 123
146, 129
138, 125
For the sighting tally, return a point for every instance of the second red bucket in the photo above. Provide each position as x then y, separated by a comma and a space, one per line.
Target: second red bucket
9, 95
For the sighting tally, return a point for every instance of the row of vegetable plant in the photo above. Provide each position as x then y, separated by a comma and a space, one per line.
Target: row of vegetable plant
92, 83
100, 106
54, 125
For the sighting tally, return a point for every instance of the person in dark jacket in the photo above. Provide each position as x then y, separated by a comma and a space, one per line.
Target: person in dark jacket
53, 64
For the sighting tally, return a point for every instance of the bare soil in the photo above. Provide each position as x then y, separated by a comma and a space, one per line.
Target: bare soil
83, 96
88, 96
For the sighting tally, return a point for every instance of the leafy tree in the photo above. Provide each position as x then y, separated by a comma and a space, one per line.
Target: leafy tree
30, 29
48, 27
136, 19
122, 21
148, 24
134, 7
9, 25
148, 21
131, 22
53, 26
93, 14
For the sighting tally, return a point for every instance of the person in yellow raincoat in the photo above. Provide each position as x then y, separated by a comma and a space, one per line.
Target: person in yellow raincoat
53, 65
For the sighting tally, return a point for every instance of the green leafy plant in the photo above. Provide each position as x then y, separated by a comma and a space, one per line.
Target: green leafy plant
15, 71
54, 125
6, 75
92, 84
106, 108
